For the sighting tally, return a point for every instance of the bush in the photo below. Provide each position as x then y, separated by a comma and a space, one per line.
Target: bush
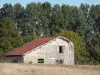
2, 57
59, 61
30, 62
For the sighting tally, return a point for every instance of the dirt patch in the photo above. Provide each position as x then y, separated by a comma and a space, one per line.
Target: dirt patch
40, 69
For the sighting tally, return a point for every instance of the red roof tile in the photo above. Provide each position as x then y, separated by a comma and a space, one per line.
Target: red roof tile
29, 46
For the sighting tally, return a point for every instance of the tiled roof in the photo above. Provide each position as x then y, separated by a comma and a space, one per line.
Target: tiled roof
29, 46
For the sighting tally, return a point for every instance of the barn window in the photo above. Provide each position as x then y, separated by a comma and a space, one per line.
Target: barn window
40, 60
61, 49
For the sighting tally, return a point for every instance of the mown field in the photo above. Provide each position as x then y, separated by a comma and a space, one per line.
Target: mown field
39, 69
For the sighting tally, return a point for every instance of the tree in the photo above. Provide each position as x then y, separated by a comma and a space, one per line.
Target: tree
92, 34
73, 19
9, 36
33, 22
6, 11
46, 18
57, 20
84, 9
81, 55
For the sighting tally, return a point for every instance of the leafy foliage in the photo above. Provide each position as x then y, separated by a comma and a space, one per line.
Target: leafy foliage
9, 36
79, 45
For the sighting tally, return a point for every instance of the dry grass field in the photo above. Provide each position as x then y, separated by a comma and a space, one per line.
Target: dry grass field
38, 69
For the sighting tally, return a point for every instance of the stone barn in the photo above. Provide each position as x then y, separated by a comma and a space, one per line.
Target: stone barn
49, 50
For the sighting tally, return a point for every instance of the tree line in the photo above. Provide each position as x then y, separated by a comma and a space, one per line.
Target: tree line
19, 25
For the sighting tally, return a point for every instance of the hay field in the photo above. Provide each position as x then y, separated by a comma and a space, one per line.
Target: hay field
38, 69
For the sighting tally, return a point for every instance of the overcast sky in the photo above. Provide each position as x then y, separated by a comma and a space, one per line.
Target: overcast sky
69, 2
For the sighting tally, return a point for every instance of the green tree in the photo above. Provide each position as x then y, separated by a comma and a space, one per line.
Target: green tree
73, 19
57, 20
9, 35
81, 55
6, 11
92, 34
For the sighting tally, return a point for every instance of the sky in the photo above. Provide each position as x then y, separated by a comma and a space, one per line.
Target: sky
60, 2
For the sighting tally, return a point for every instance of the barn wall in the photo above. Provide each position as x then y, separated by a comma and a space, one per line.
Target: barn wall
14, 59
50, 53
